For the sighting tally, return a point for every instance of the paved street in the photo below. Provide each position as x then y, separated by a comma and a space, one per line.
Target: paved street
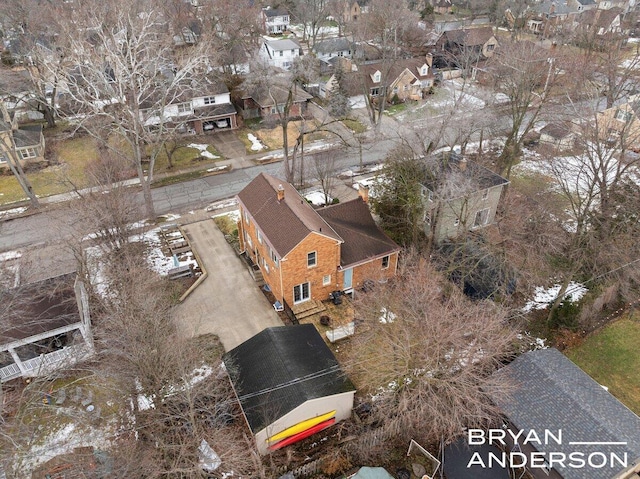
228, 302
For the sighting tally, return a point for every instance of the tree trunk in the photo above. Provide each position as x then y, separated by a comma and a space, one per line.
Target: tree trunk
145, 182
18, 172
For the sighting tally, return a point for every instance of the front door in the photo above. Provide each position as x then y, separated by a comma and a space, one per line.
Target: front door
348, 279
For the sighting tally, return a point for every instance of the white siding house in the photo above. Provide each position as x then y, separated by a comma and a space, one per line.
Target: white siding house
280, 53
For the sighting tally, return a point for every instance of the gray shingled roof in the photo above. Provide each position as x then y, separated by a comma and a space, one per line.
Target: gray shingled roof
283, 223
553, 393
363, 240
284, 44
332, 45
281, 368
27, 136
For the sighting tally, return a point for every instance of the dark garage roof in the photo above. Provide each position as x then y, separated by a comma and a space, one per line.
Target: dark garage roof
553, 393
281, 368
363, 240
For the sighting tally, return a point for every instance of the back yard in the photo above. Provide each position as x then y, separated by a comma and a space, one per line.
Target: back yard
610, 356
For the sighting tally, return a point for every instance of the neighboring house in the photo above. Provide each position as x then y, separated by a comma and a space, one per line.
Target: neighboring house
304, 253
621, 121
478, 42
558, 136
459, 195
325, 50
583, 5
285, 376
25, 143
406, 79
599, 23
552, 17
280, 53
17, 93
198, 111
47, 327
351, 12
552, 394
275, 21
269, 103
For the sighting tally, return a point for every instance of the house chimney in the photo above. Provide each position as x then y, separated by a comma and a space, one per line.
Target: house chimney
462, 164
280, 193
429, 59
363, 192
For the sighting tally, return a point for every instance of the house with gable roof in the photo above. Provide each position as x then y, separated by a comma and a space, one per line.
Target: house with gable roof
280, 53
22, 144
275, 21
305, 253
478, 41
551, 393
408, 79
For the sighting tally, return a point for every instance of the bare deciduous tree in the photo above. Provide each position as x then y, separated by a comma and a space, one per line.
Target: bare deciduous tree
425, 353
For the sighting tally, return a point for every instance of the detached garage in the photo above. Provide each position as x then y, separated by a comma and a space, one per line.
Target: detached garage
289, 385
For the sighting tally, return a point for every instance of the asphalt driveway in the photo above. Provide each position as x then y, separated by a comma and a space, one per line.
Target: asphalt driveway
228, 302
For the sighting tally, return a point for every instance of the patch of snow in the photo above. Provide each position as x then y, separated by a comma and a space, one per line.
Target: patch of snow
216, 168
202, 148
317, 198
209, 459
10, 255
13, 212
233, 215
387, 316
218, 205
544, 297
256, 144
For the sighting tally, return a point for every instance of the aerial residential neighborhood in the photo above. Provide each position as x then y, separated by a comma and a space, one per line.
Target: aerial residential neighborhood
319, 239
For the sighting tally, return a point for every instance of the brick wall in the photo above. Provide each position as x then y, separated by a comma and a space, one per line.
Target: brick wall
374, 271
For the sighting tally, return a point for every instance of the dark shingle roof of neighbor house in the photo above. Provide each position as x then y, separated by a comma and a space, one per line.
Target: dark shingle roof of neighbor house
284, 223
265, 96
453, 176
363, 240
274, 12
281, 368
27, 136
470, 36
332, 45
599, 18
37, 308
553, 393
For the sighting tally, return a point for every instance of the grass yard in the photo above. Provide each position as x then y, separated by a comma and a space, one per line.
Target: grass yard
73, 156
272, 137
610, 356
354, 125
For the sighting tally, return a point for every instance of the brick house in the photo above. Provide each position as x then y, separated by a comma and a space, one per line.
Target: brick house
268, 103
305, 254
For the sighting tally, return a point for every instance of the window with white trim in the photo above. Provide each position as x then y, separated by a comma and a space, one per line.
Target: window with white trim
312, 259
209, 100
246, 217
184, 108
623, 115
27, 153
265, 264
326, 280
259, 235
3, 159
301, 292
385, 262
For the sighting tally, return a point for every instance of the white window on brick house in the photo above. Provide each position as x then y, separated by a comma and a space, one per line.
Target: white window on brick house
312, 259
246, 217
209, 100
259, 236
385, 262
265, 264
27, 153
481, 219
301, 292
326, 280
